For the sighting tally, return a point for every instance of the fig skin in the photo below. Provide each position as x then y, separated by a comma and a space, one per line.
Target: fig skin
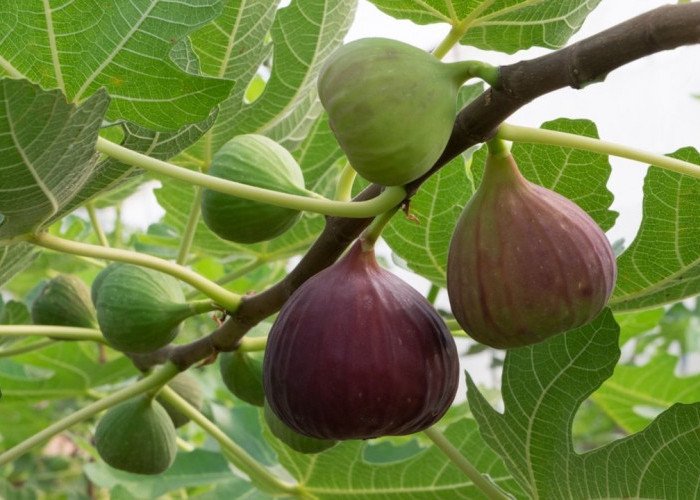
257, 161
242, 375
357, 353
137, 436
297, 442
391, 107
525, 263
64, 301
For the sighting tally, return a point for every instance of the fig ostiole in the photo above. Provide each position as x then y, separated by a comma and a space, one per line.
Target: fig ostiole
525, 263
297, 442
187, 387
391, 106
257, 161
357, 353
137, 436
242, 374
140, 310
64, 301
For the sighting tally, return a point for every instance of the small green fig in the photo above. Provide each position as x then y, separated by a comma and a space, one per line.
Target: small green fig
391, 107
139, 309
187, 387
257, 161
137, 436
242, 375
297, 442
525, 263
64, 301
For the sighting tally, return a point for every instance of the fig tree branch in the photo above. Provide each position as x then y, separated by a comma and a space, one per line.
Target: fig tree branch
576, 66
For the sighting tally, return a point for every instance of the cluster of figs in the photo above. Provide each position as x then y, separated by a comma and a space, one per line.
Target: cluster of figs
355, 352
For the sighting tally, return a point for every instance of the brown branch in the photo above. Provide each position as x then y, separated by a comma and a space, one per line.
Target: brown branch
585, 62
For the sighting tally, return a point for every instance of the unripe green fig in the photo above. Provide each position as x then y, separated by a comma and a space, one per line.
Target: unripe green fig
137, 436
257, 161
187, 387
525, 263
357, 353
296, 441
64, 301
242, 375
391, 107
139, 309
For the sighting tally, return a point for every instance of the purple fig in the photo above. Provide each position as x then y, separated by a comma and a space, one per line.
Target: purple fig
357, 353
525, 263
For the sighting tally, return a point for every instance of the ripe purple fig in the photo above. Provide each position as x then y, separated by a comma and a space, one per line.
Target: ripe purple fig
357, 353
525, 263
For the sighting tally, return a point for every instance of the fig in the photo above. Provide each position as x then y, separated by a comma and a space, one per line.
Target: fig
391, 107
357, 353
257, 161
524, 262
187, 387
137, 436
242, 375
294, 440
139, 309
64, 301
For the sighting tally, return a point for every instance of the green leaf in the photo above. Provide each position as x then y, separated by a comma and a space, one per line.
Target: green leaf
84, 45
73, 368
637, 322
504, 25
13, 312
289, 105
46, 158
345, 472
662, 264
634, 395
543, 387
15, 258
579, 175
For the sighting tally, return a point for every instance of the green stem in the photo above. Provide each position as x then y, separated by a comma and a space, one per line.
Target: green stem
455, 328
343, 190
390, 197
55, 332
370, 235
202, 306
262, 477
34, 346
217, 293
118, 227
553, 138
484, 484
498, 147
433, 293
249, 344
452, 38
96, 226
190, 227
156, 379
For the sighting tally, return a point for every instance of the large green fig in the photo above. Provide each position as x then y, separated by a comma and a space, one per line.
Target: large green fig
296, 441
187, 387
242, 375
257, 161
391, 106
525, 263
357, 353
139, 309
137, 436
64, 301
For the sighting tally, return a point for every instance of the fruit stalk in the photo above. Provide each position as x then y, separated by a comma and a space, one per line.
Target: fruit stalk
55, 332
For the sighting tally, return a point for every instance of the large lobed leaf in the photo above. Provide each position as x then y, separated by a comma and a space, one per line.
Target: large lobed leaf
662, 264
504, 25
543, 387
82, 46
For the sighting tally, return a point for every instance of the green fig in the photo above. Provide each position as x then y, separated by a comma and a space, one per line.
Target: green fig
257, 161
64, 301
137, 436
391, 107
525, 263
187, 387
297, 442
139, 309
242, 375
